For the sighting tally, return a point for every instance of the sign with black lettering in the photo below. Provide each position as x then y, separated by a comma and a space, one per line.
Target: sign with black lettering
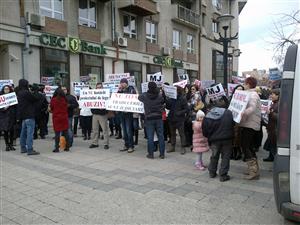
238, 104
183, 77
125, 103
215, 92
94, 99
158, 78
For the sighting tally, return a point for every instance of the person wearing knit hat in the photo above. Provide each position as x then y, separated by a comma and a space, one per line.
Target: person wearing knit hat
124, 80
152, 87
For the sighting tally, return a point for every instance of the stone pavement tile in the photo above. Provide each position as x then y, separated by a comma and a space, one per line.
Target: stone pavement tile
142, 189
12, 213
243, 192
159, 186
27, 218
195, 196
122, 184
6, 221
24, 202
69, 177
180, 191
12, 195
78, 188
43, 220
51, 212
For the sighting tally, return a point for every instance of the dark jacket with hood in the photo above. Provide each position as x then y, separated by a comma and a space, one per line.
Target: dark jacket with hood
178, 109
26, 101
218, 125
72, 104
7, 116
153, 104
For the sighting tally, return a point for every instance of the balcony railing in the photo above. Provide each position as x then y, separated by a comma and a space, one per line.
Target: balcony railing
188, 16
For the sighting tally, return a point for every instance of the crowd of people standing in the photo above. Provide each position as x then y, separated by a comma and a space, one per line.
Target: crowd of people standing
203, 124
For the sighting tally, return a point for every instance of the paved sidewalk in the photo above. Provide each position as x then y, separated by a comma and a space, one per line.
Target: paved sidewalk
97, 186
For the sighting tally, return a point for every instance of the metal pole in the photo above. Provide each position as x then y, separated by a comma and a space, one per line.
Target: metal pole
225, 55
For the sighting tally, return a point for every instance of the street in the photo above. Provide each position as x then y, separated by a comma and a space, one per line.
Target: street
97, 186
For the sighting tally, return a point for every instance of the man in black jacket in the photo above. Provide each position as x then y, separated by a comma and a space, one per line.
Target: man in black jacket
26, 114
99, 120
218, 126
153, 105
72, 104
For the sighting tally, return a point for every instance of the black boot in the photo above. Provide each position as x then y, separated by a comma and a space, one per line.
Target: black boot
234, 152
11, 147
7, 148
136, 135
238, 155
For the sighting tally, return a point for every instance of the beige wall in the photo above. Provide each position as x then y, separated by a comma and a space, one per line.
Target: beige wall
4, 62
10, 12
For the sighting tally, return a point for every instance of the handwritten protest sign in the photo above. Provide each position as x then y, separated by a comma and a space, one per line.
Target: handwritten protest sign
206, 83
181, 84
170, 91
158, 78
5, 82
230, 88
94, 99
78, 86
215, 92
144, 87
8, 100
47, 80
238, 104
265, 106
112, 86
116, 77
183, 77
49, 90
125, 103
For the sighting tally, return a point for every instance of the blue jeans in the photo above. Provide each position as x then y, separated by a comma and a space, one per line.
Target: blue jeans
26, 137
127, 125
151, 127
70, 131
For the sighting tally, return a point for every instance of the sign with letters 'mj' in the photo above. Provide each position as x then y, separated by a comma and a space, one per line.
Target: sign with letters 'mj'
125, 103
215, 92
7, 100
238, 104
94, 99
158, 78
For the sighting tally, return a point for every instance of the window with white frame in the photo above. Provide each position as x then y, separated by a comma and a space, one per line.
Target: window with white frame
129, 26
217, 4
176, 39
215, 26
87, 13
151, 32
52, 8
190, 43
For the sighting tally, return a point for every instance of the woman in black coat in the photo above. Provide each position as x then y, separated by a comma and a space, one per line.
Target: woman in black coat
8, 121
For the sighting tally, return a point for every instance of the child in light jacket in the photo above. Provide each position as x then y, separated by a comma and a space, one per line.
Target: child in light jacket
200, 143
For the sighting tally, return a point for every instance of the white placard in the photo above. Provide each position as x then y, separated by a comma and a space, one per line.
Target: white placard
5, 82
206, 83
93, 80
183, 77
181, 84
112, 86
230, 88
94, 99
215, 92
158, 78
85, 78
238, 80
170, 91
47, 80
116, 77
131, 81
125, 103
78, 86
238, 104
8, 100
265, 107
49, 90
144, 87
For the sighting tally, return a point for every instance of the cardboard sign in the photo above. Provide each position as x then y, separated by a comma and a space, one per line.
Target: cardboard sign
78, 86
238, 104
94, 99
116, 77
215, 92
206, 83
158, 78
5, 82
125, 103
112, 86
144, 87
238, 80
170, 91
181, 84
183, 77
7, 100
230, 88
47, 80
265, 107
49, 90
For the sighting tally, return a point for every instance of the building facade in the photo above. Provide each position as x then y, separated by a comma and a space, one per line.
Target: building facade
68, 40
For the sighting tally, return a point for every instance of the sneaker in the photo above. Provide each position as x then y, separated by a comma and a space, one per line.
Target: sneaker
150, 156
7, 148
23, 151
212, 175
67, 149
55, 150
33, 153
106, 147
161, 156
12, 148
224, 178
124, 149
130, 150
93, 146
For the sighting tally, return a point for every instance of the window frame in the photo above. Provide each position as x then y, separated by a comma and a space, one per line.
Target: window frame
52, 10
130, 34
83, 65
190, 49
89, 21
150, 39
177, 45
215, 26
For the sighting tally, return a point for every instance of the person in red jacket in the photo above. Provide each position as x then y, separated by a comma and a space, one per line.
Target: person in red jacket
59, 109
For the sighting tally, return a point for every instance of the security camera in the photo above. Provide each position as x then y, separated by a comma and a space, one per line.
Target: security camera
13, 57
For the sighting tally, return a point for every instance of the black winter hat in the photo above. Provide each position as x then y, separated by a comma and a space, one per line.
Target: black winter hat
152, 86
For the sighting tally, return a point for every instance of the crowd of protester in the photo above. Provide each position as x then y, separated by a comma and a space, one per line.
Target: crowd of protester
203, 125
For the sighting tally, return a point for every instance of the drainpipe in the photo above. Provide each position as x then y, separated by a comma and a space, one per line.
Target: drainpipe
199, 41
113, 21
26, 47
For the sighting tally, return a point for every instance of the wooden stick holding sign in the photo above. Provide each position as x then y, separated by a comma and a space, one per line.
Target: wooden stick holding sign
215, 92
238, 104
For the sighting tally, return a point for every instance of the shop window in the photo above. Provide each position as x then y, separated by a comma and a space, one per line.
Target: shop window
151, 69
52, 8
87, 13
90, 64
151, 32
55, 63
135, 69
176, 39
129, 26
190, 43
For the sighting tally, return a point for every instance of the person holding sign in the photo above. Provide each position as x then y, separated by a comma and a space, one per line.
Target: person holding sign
8, 120
153, 105
250, 124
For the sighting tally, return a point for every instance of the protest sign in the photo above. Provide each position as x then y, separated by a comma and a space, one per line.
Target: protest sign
237, 80
47, 80
84, 78
230, 88
144, 87
170, 91
116, 77
125, 103
5, 82
183, 77
215, 92
49, 90
158, 78
78, 86
94, 98
274, 74
181, 84
206, 83
131, 81
265, 106
238, 104
197, 83
112, 86
93, 80
8, 100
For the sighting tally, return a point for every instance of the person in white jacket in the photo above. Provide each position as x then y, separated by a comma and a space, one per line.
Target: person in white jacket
86, 118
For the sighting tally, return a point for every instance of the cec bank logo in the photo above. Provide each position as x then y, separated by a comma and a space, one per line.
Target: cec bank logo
74, 44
